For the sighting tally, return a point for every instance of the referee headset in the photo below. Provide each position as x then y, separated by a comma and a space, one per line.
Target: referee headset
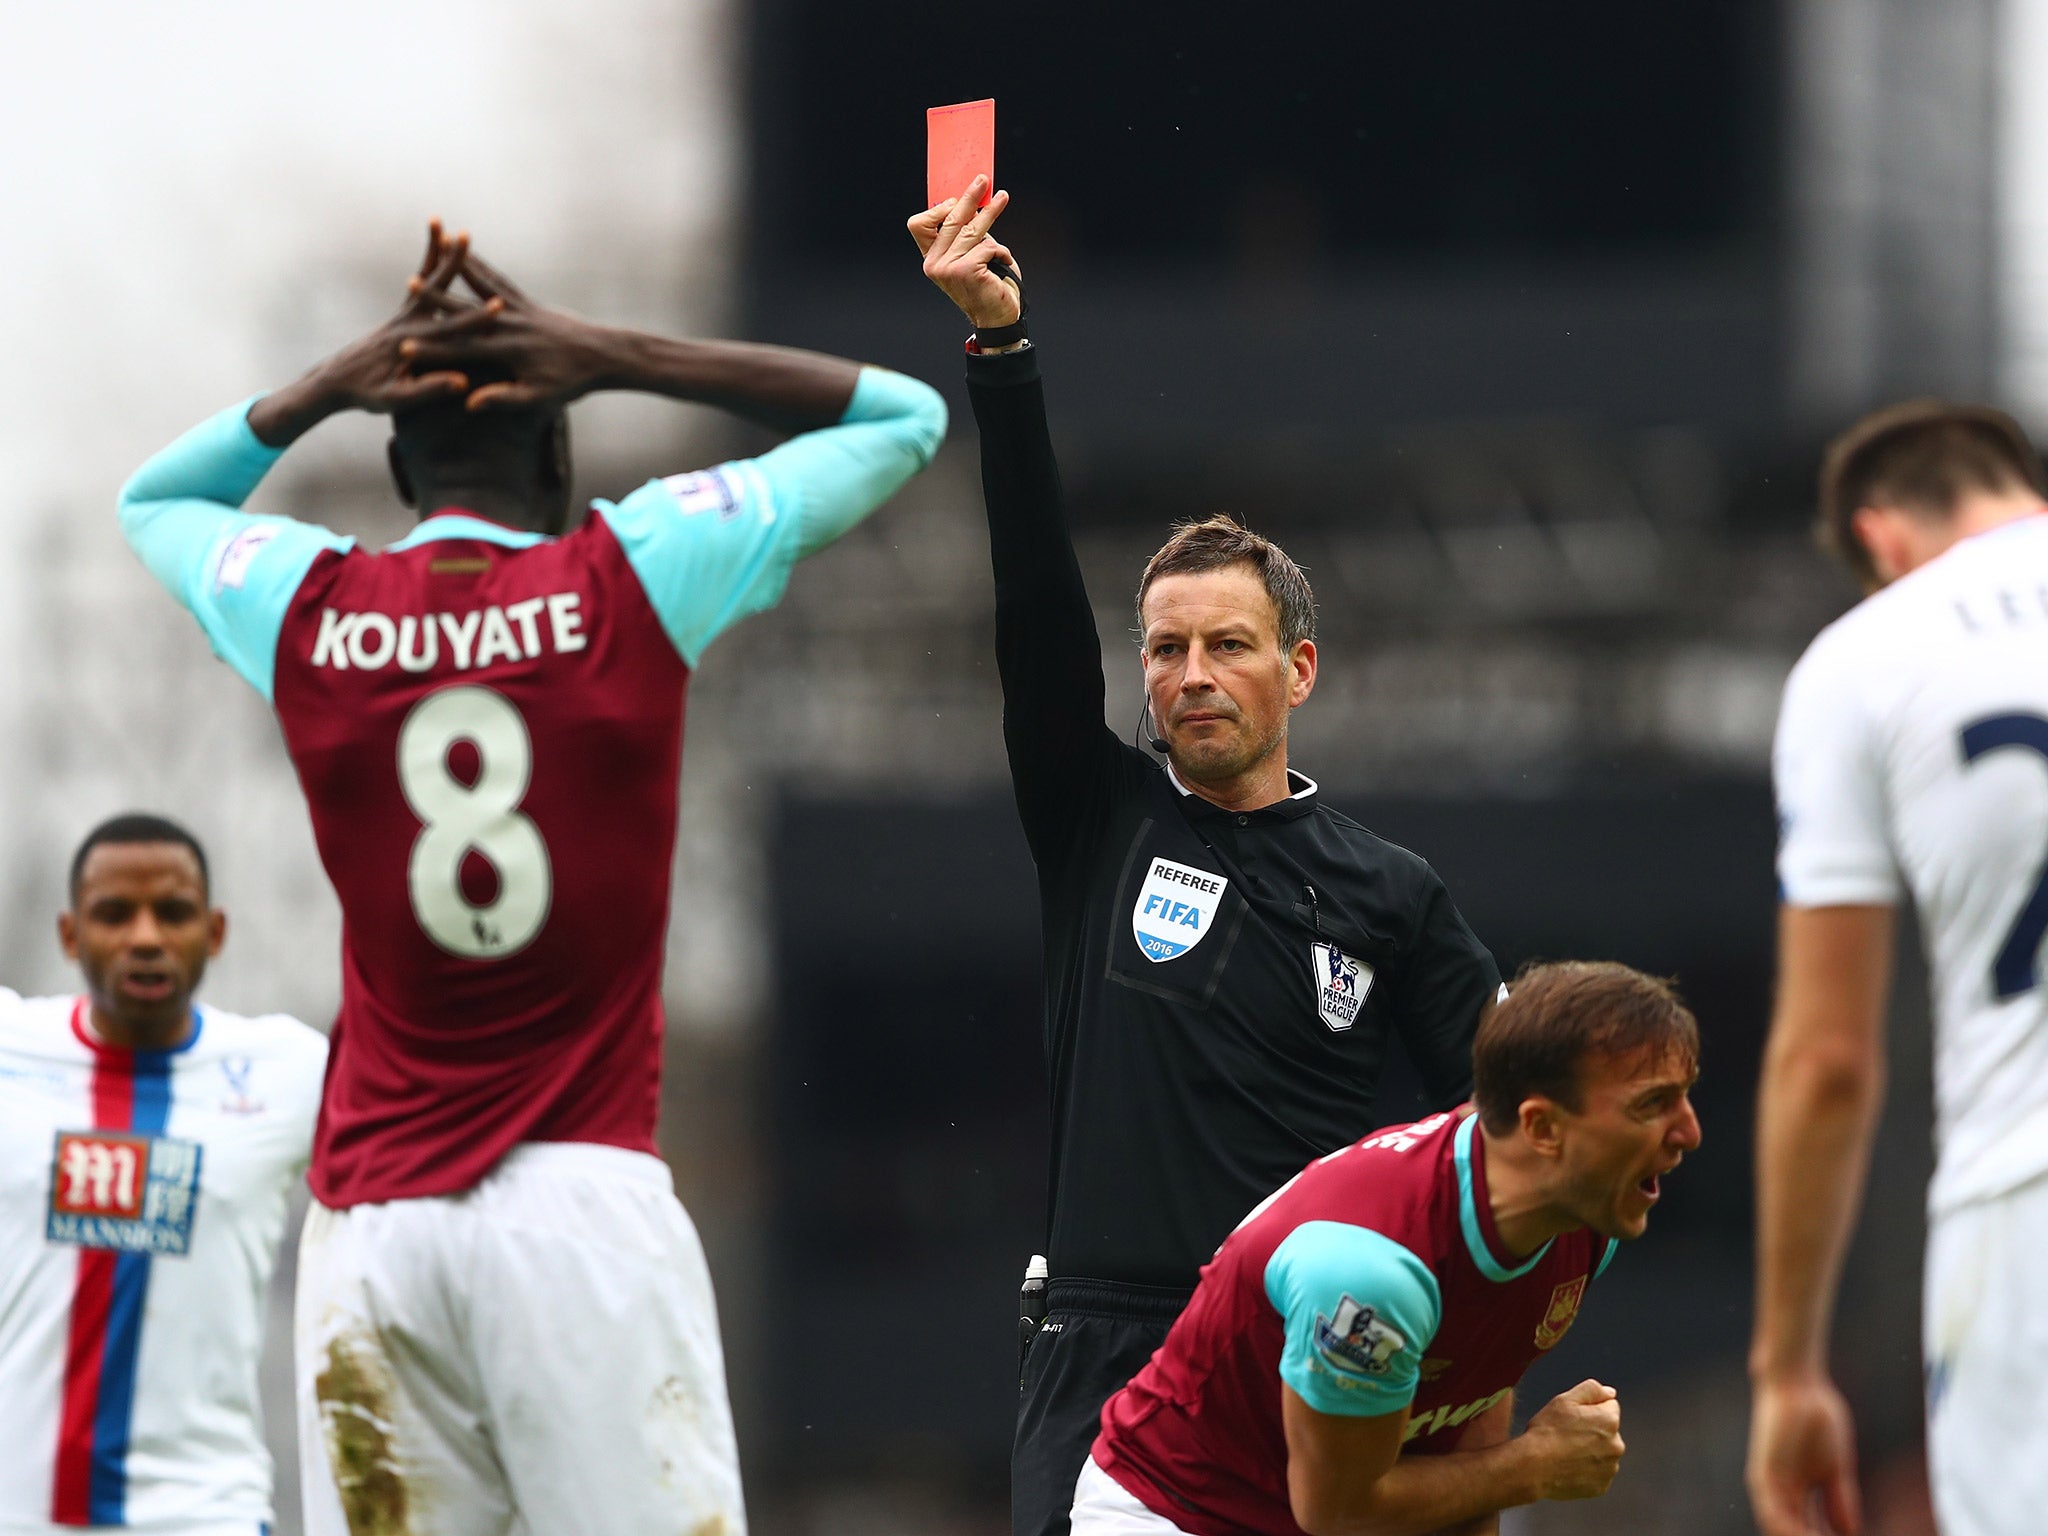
1157, 743
1153, 739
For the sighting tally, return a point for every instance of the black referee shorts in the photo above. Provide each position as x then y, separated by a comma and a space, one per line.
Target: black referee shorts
1096, 1336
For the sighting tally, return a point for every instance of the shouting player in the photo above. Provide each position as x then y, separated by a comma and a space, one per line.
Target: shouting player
504, 1314
1349, 1360
1912, 760
149, 1147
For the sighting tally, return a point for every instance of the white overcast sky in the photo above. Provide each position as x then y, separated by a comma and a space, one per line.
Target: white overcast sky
196, 200
193, 194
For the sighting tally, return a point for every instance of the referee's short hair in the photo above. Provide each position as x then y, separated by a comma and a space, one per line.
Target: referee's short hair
1920, 456
1557, 1015
137, 827
1219, 540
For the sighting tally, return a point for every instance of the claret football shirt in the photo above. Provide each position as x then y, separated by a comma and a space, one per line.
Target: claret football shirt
487, 725
1374, 1280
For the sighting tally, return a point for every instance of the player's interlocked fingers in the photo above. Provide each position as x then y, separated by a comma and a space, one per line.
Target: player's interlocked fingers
1802, 1454
1578, 1436
954, 239
551, 356
377, 372
430, 290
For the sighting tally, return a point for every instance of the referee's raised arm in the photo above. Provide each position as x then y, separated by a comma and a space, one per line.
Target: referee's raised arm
1047, 651
1227, 961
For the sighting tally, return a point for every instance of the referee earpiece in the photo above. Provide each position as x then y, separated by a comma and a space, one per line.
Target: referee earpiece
1153, 739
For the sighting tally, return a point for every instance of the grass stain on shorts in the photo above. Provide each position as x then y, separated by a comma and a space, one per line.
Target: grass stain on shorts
355, 1414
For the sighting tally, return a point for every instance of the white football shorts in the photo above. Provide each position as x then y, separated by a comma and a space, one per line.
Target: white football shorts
1986, 1348
538, 1354
1104, 1507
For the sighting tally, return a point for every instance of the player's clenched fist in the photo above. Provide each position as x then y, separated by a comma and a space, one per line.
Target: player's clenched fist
1577, 1435
954, 239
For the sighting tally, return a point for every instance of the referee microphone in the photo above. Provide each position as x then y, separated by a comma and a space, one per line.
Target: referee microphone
1153, 739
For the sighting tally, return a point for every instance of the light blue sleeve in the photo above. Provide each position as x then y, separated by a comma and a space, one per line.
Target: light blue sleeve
1358, 1309
234, 571
713, 547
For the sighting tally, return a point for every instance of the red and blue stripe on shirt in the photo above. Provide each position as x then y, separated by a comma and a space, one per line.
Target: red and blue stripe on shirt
131, 1092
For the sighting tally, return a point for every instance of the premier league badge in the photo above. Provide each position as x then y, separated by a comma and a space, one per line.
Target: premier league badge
706, 490
232, 568
1341, 985
1175, 910
1357, 1341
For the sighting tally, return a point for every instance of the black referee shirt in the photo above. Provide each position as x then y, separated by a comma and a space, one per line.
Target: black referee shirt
1291, 942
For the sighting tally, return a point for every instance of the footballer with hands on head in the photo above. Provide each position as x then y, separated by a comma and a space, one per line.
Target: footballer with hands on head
497, 1283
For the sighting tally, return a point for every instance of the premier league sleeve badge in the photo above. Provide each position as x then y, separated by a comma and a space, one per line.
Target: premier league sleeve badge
1357, 1341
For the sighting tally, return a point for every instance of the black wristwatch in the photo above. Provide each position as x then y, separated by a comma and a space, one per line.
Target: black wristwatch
987, 336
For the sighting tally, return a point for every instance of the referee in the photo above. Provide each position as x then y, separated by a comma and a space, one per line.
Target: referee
1226, 958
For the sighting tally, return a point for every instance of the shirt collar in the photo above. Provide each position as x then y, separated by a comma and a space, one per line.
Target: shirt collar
454, 524
1475, 1211
1299, 802
116, 1055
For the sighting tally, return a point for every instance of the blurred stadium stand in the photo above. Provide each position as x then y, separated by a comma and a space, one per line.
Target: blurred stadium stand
1520, 327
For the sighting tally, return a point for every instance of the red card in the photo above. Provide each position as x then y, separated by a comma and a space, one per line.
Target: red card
960, 144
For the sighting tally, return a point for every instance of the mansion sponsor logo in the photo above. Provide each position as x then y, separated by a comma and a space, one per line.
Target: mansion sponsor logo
135, 1194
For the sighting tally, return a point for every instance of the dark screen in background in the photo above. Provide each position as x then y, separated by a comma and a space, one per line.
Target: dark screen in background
1370, 131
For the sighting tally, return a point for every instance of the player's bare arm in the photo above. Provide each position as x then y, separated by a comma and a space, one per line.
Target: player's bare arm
1823, 1086
555, 357
1347, 1477
1488, 1430
374, 373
